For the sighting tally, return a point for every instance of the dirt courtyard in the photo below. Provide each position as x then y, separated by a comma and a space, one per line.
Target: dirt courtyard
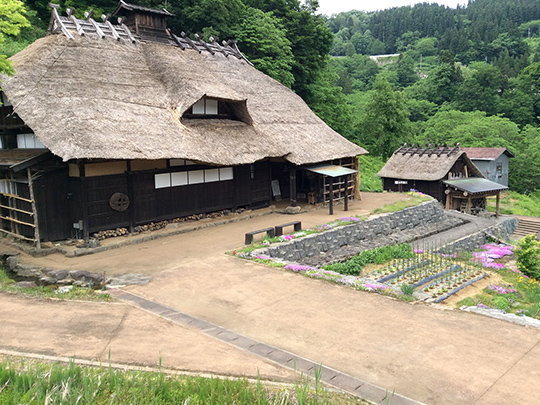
433, 356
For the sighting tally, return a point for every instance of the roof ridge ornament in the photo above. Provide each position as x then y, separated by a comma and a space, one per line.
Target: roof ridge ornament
69, 24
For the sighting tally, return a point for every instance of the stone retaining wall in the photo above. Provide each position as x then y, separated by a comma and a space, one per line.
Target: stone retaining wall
428, 213
501, 230
49, 276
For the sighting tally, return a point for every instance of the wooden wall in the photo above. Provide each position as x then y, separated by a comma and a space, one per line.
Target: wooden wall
90, 196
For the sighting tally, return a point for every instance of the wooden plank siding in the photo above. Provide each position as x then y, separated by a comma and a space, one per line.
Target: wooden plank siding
51, 191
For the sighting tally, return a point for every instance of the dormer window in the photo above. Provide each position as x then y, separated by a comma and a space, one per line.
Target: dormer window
208, 107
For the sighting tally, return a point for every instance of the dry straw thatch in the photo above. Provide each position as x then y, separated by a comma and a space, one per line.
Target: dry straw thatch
430, 164
100, 98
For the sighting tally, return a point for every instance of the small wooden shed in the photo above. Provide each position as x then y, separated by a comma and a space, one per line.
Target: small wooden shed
443, 172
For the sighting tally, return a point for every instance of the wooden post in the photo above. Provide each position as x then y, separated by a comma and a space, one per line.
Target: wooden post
356, 182
497, 204
469, 203
331, 196
346, 193
466, 172
34, 209
292, 180
84, 203
131, 197
448, 198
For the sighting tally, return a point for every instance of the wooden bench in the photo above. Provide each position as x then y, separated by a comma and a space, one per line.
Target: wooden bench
249, 236
297, 227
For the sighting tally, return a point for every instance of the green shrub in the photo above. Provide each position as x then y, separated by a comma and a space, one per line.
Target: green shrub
501, 302
379, 255
528, 256
407, 289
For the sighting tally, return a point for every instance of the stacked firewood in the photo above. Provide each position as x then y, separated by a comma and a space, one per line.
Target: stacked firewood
154, 226
111, 233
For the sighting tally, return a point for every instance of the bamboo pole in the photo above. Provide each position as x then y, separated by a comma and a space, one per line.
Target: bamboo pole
34, 209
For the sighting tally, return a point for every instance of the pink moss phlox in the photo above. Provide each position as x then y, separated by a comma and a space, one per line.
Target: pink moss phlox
480, 305
501, 289
349, 219
418, 251
346, 281
375, 287
298, 267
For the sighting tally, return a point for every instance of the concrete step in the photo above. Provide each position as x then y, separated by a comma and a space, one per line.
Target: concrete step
526, 227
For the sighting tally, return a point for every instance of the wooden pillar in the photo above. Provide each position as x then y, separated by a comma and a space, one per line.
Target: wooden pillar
331, 196
497, 204
356, 183
84, 203
292, 177
469, 203
346, 202
37, 237
131, 196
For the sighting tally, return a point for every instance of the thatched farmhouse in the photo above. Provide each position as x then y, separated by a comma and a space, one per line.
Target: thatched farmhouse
443, 172
115, 125
492, 162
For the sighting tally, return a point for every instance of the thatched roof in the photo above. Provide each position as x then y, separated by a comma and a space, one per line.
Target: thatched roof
90, 97
429, 164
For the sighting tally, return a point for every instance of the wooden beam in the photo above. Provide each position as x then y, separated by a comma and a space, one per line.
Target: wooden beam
347, 196
17, 197
331, 197
497, 204
292, 184
59, 21
17, 209
17, 221
96, 27
16, 235
34, 209
78, 26
128, 32
113, 30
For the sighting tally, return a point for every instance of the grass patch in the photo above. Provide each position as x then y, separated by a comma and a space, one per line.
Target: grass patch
369, 167
7, 284
517, 294
355, 265
39, 382
512, 203
414, 200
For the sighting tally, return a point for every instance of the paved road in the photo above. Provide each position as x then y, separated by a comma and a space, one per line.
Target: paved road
434, 356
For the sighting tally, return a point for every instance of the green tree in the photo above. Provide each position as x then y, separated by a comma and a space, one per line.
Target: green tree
471, 129
385, 124
481, 90
328, 101
12, 20
405, 70
529, 83
444, 79
262, 38
525, 167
